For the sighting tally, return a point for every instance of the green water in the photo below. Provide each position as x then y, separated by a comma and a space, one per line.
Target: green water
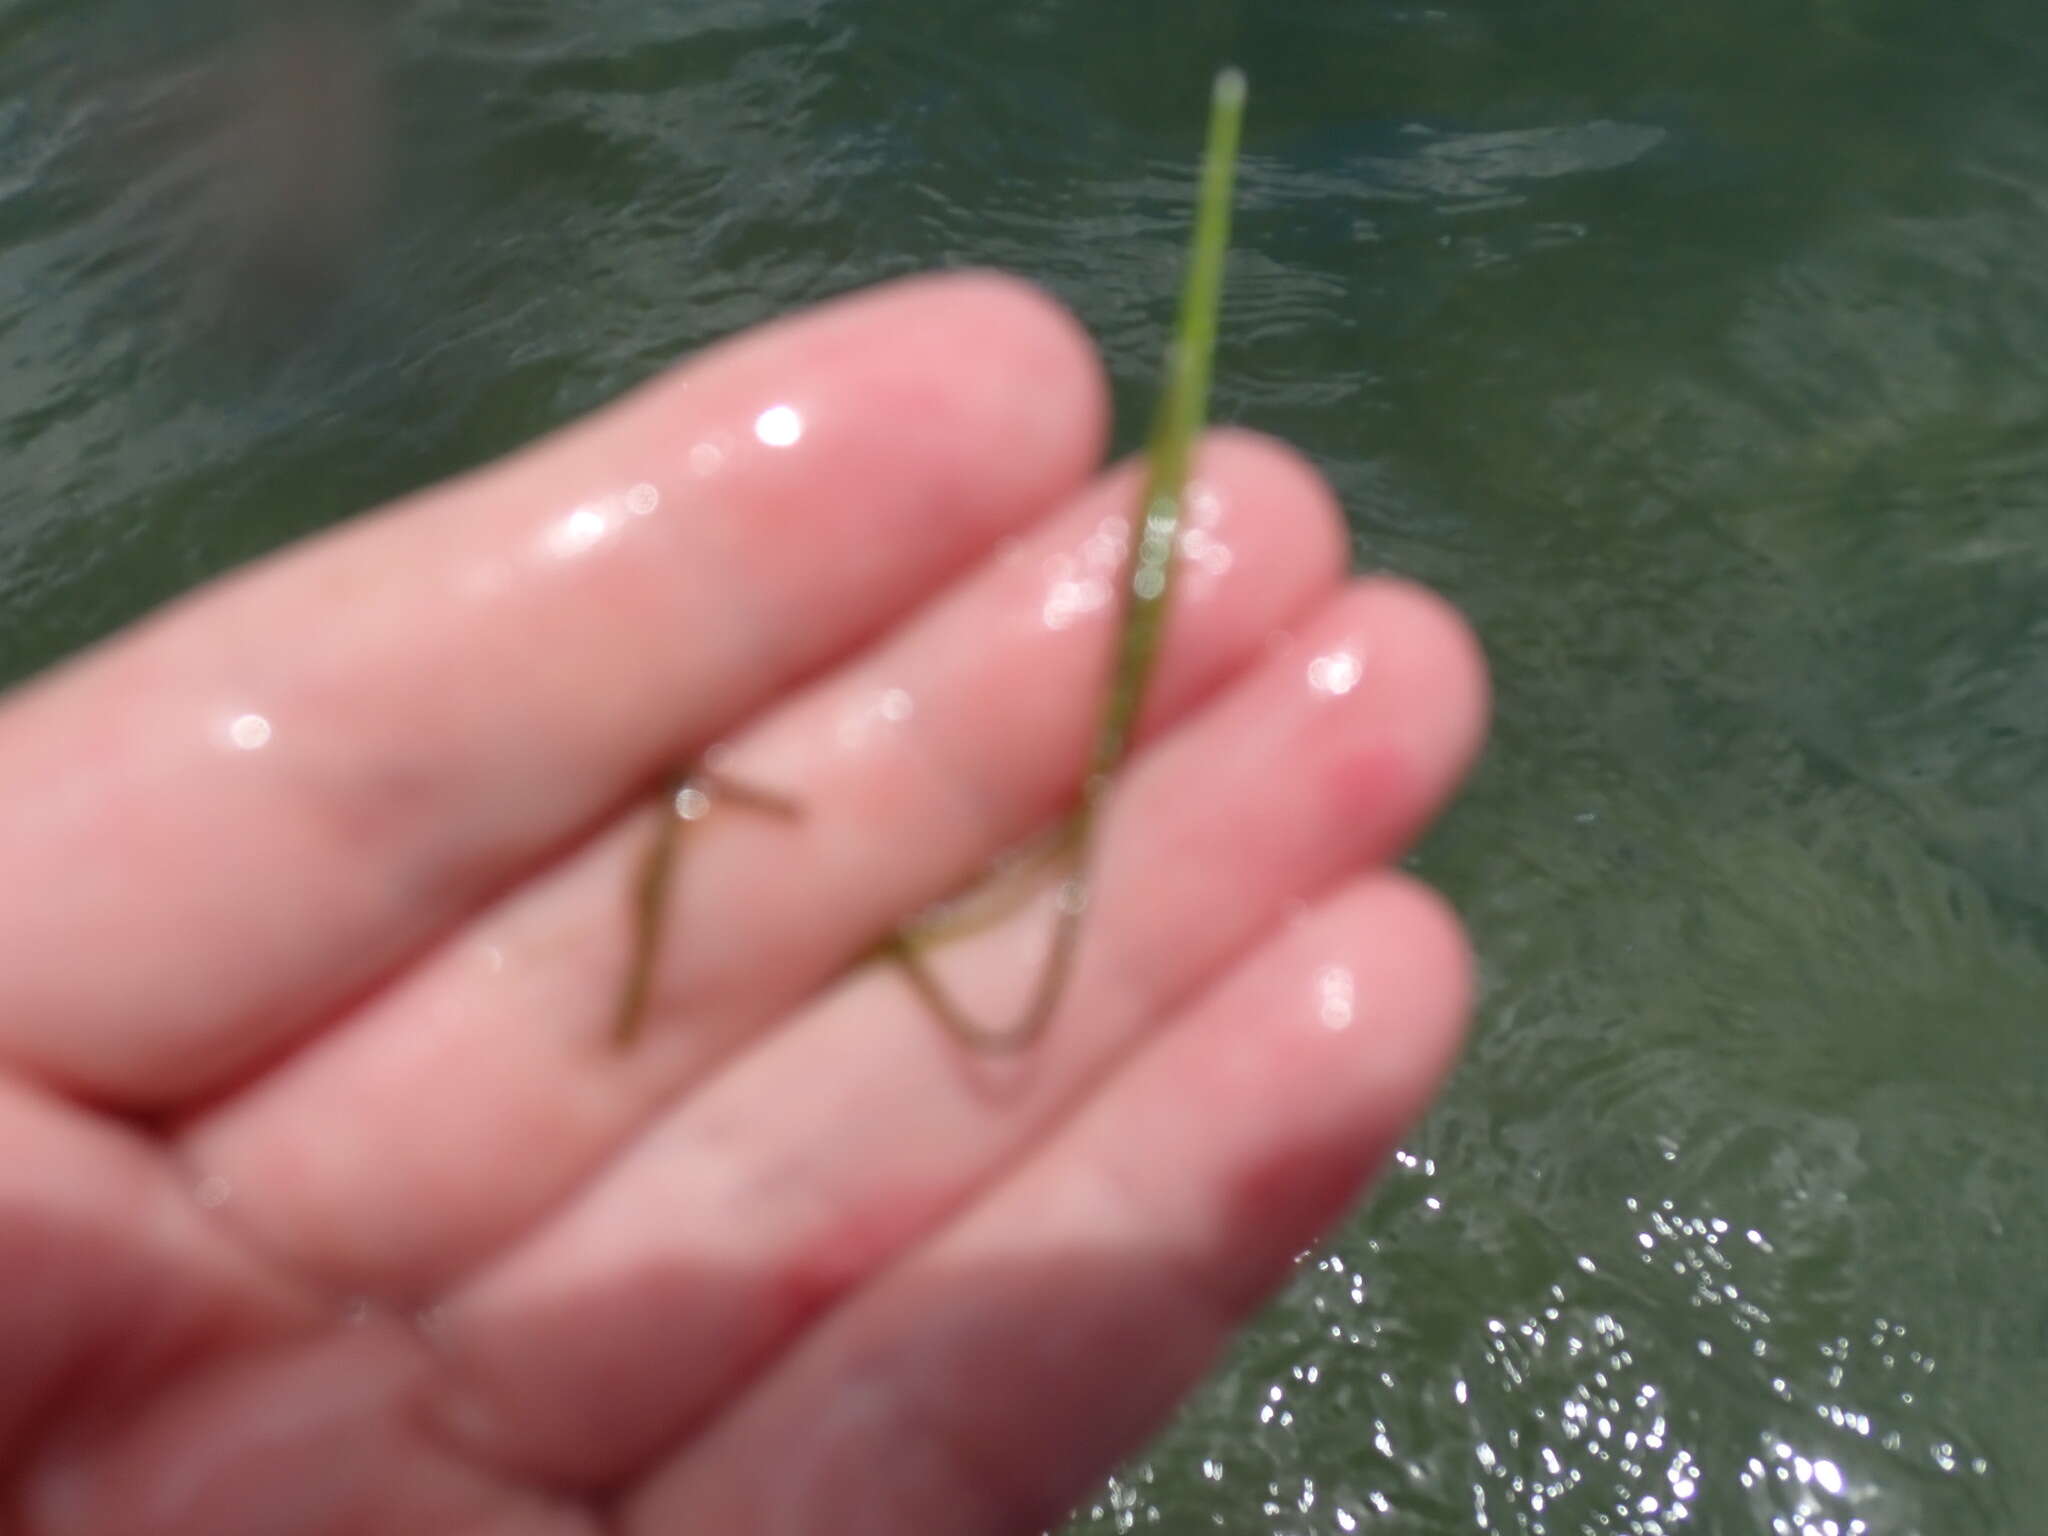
1696, 350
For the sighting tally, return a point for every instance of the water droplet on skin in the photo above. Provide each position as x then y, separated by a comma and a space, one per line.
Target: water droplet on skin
780, 426
865, 714
575, 533
248, 733
1206, 553
1336, 997
692, 804
1070, 599
585, 526
1106, 547
706, 459
1335, 673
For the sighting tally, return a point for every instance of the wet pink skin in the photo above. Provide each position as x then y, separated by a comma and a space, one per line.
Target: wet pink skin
326, 1206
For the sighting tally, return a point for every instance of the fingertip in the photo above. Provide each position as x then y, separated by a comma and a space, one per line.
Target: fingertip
1324, 1053
1010, 304
1422, 971
1450, 662
1040, 343
1034, 362
1361, 1004
1425, 694
1281, 482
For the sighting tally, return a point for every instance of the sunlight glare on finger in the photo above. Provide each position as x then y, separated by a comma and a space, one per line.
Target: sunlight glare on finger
1336, 997
780, 426
1336, 672
248, 732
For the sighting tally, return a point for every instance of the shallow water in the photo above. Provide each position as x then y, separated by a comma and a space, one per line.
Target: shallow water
1697, 351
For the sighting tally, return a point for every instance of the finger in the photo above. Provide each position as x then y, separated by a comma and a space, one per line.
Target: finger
313, 1436
223, 825
815, 1162
488, 1075
110, 1277
986, 1382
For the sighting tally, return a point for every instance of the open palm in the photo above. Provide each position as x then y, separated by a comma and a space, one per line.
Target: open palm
326, 1204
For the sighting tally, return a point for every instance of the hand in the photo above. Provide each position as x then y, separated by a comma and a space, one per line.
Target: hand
326, 1203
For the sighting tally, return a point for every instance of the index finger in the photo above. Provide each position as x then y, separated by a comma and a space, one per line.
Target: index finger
224, 825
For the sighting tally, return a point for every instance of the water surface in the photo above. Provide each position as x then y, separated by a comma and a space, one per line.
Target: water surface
1697, 351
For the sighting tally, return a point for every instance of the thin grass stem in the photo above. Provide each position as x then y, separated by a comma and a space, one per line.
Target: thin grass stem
1155, 531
